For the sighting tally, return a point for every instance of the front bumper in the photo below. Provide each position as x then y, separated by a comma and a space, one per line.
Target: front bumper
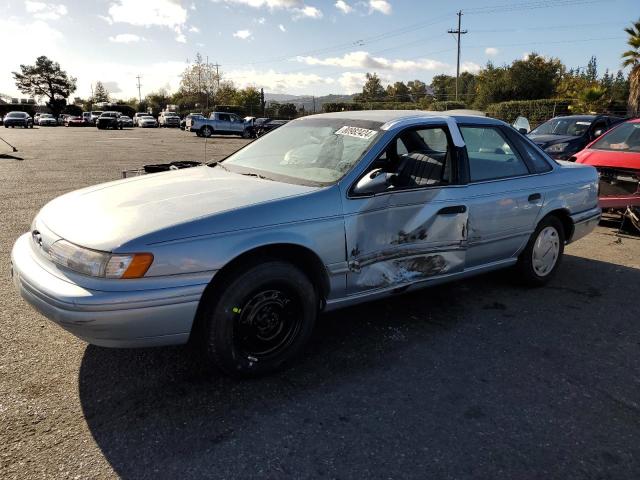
139, 318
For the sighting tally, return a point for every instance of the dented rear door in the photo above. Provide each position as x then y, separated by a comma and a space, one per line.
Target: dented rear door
398, 238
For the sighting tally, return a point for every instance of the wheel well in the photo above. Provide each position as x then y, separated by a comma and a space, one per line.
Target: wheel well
565, 219
300, 256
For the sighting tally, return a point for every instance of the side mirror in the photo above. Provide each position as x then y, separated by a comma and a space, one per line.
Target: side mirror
375, 181
521, 124
597, 133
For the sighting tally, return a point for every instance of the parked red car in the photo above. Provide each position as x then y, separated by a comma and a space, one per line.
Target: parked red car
616, 156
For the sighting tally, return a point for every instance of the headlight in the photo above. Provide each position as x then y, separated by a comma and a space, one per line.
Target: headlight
99, 264
557, 148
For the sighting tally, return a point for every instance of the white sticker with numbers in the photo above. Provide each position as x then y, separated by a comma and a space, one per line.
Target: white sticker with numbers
356, 132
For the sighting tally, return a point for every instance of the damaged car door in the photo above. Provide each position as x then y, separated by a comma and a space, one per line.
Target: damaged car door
405, 217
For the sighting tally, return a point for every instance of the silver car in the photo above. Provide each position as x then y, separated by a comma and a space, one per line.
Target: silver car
329, 210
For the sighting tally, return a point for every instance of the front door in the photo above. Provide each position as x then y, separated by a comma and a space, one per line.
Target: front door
416, 228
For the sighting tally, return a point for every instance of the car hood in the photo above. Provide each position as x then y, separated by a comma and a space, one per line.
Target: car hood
608, 158
548, 140
106, 216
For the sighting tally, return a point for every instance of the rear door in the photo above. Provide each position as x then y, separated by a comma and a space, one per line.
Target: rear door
416, 229
505, 193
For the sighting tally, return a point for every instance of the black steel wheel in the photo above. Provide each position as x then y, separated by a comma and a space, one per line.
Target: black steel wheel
259, 320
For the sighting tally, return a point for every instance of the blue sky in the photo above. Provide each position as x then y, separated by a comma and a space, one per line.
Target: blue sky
301, 46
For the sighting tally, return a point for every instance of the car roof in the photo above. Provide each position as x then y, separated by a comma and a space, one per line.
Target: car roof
394, 116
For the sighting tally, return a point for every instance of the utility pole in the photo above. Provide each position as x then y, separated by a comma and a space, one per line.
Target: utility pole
139, 91
314, 104
217, 74
458, 32
208, 82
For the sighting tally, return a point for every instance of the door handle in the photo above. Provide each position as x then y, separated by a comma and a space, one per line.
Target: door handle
452, 210
534, 197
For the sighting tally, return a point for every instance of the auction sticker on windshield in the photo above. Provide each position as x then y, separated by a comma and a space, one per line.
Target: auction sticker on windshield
356, 132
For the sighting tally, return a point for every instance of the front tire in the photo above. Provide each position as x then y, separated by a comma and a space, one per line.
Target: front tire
206, 131
260, 319
539, 261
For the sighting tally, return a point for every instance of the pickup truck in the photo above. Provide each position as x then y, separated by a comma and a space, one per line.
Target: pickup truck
221, 123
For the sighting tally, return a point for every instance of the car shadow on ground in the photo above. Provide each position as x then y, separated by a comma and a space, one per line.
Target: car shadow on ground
480, 378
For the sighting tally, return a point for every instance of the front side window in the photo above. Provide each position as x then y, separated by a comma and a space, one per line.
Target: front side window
223, 117
308, 151
416, 158
491, 155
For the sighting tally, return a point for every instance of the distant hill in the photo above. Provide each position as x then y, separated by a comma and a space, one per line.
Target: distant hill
306, 101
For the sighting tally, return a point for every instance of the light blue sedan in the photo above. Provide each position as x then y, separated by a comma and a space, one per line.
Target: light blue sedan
327, 211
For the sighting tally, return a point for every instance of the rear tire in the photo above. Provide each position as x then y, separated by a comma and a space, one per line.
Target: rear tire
259, 320
539, 261
206, 131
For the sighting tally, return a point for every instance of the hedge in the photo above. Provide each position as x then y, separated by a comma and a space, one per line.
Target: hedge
536, 111
447, 105
351, 106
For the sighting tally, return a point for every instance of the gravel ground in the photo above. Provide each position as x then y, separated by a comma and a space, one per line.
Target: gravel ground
476, 379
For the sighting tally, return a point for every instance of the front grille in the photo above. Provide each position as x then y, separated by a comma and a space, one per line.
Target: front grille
615, 182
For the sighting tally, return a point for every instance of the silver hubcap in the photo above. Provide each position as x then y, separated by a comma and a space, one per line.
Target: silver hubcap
546, 251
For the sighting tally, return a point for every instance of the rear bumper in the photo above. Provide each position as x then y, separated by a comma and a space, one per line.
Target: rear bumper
584, 223
140, 318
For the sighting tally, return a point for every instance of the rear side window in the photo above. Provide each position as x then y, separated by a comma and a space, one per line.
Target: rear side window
491, 154
533, 154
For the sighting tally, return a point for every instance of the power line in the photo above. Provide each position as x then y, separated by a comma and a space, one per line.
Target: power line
458, 32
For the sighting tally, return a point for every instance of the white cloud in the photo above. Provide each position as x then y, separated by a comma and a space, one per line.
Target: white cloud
381, 6
364, 60
525, 55
343, 6
260, 21
352, 82
278, 82
281, 27
470, 67
165, 13
45, 11
194, 29
491, 51
125, 38
180, 38
242, 34
297, 7
106, 19
307, 12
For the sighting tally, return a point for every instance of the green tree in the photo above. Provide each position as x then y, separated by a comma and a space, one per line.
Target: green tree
534, 77
47, 80
249, 98
100, 93
417, 89
158, 100
372, 90
592, 70
398, 92
631, 59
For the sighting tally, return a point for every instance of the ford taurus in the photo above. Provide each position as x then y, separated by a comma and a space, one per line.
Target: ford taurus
329, 210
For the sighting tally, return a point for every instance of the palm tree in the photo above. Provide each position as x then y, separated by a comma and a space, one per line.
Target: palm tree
632, 59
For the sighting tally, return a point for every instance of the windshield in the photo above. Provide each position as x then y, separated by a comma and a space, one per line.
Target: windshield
46, 115
309, 151
16, 114
574, 127
626, 137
